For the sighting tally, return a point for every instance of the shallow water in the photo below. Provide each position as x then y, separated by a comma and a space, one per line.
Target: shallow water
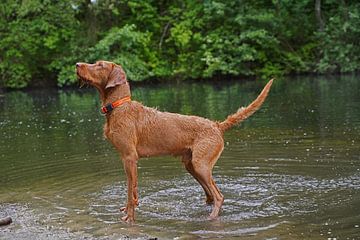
291, 171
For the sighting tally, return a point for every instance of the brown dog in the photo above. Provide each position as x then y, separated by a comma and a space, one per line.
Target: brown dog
137, 131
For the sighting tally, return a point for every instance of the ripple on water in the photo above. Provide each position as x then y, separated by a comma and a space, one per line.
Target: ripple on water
249, 197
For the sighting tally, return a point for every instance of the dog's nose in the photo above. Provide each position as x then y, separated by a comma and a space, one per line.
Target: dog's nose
78, 65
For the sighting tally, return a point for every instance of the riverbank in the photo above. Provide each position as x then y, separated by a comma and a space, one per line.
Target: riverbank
30, 223
218, 79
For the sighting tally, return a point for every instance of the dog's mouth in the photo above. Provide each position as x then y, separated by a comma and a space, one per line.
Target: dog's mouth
82, 81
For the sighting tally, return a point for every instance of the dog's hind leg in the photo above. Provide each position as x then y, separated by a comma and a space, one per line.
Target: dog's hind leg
186, 159
204, 157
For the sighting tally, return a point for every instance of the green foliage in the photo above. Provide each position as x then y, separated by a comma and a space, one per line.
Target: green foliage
33, 34
339, 43
128, 47
40, 41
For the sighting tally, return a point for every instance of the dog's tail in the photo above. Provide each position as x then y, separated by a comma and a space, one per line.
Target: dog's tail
245, 112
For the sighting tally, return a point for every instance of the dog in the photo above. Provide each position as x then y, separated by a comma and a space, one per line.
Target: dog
138, 131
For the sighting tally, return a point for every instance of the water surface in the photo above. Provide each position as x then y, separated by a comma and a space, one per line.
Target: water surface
291, 171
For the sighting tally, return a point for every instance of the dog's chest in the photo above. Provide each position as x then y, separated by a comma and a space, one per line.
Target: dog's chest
116, 131
106, 131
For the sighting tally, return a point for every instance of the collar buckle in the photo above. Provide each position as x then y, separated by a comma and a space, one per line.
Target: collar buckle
107, 108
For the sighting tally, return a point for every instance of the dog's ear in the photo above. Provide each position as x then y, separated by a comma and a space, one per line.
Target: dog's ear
116, 77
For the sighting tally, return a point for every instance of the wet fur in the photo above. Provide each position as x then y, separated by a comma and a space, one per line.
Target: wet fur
138, 131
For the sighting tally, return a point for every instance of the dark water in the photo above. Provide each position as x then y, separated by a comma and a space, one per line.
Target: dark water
291, 171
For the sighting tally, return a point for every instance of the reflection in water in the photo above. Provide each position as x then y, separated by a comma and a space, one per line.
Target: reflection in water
290, 171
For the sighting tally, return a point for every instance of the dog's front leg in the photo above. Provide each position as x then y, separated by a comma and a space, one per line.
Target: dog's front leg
130, 167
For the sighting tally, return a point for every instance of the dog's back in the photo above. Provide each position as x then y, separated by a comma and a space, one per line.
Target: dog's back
161, 133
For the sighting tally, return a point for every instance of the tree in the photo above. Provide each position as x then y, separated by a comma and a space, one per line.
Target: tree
33, 34
41, 40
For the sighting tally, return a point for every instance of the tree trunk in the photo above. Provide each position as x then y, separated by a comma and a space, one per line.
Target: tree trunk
318, 15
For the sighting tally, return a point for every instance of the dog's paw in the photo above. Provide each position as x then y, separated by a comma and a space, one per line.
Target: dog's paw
212, 218
128, 219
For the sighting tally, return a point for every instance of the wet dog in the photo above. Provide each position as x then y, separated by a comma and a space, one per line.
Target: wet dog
138, 131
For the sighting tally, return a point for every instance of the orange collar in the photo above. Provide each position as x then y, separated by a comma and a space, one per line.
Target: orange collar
109, 107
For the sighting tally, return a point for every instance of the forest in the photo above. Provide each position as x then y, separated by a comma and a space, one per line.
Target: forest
41, 40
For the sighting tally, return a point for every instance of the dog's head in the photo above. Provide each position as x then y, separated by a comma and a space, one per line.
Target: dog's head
102, 74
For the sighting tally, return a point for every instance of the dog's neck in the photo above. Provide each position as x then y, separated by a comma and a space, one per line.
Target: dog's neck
115, 93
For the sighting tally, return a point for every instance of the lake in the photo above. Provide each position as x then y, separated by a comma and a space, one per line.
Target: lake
291, 171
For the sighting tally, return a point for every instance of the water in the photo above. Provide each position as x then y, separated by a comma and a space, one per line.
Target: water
291, 171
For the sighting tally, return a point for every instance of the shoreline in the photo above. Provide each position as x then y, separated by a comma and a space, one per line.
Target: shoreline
174, 80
